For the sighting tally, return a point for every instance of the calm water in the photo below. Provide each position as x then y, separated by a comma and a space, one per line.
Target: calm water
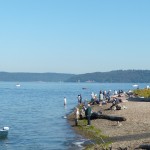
35, 113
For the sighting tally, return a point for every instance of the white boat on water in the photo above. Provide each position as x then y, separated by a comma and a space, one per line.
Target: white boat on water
135, 85
17, 85
4, 132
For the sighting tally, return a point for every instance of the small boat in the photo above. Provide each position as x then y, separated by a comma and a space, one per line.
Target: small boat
135, 85
17, 85
4, 132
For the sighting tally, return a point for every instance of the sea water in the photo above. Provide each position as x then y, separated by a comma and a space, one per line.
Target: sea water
36, 116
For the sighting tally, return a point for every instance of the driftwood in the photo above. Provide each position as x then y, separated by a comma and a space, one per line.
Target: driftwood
146, 147
113, 118
109, 117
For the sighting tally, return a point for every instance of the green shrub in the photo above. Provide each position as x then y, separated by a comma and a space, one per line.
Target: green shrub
142, 93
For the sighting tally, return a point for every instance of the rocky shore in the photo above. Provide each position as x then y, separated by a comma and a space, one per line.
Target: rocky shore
130, 134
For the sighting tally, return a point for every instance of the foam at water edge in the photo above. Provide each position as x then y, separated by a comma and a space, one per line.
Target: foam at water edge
80, 143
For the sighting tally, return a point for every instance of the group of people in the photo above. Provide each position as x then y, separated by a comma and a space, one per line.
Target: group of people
86, 106
102, 98
77, 113
87, 111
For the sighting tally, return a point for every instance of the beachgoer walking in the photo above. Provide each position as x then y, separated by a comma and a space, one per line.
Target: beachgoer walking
65, 101
88, 114
76, 113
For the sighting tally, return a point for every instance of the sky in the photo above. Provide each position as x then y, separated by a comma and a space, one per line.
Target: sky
74, 36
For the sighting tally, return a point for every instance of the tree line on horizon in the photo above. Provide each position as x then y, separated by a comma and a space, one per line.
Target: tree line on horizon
117, 76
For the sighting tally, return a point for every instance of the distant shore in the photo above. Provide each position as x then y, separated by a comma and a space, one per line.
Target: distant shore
129, 134
115, 76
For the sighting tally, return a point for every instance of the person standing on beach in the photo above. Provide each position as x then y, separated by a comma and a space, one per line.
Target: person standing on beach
101, 97
76, 113
65, 101
79, 99
88, 114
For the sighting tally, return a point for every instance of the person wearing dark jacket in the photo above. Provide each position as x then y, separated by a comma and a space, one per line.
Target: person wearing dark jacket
88, 114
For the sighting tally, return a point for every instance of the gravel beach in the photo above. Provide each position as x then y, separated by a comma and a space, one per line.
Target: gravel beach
129, 134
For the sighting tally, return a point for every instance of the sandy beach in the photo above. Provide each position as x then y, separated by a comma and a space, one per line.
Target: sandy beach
129, 134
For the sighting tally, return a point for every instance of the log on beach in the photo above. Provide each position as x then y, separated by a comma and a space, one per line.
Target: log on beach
113, 118
109, 117
146, 147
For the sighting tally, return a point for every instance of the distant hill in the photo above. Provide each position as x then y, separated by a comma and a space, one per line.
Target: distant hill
118, 76
29, 77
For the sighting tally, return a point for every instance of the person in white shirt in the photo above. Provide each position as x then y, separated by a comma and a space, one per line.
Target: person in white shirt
76, 113
65, 101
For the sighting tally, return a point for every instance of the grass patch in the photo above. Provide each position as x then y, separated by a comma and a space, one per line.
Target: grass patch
99, 140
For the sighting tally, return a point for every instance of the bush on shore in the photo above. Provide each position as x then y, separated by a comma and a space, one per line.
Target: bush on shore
142, 93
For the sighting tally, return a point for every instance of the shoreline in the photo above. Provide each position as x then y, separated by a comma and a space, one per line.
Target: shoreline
129, 134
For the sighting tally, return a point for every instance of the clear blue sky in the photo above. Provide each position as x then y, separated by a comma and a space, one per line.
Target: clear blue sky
74, 36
